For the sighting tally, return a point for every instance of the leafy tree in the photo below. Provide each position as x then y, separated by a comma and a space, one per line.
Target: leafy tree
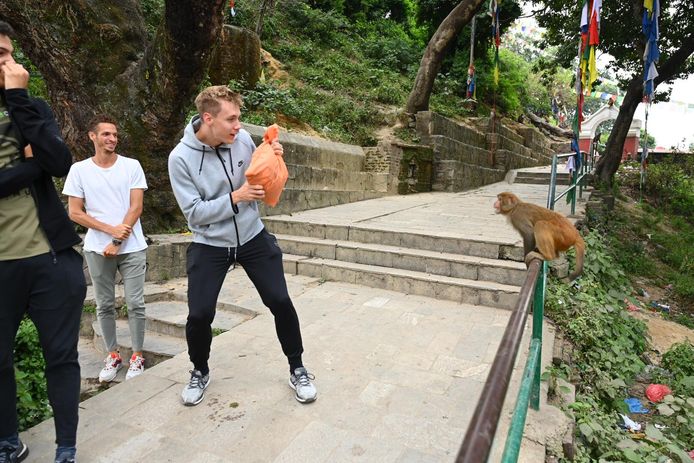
443, 41
99, 56
646, 140
621, 37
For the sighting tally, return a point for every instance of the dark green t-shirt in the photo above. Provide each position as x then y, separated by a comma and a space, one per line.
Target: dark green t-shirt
20, 234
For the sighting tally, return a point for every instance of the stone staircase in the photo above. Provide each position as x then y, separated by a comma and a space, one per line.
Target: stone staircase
321, 173
465, 158
450, 269
164, 335
541, 178
474, 271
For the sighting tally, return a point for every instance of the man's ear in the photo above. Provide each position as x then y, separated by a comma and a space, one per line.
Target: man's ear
92, 135
207, 118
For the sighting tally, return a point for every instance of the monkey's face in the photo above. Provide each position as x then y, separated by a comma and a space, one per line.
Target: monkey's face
505, 202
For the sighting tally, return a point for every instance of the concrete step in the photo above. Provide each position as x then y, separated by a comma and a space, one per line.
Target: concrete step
541, 178
157, 347
405, 281
91, 362
319, 178
169, 318
488, 248
508, 160
294, 200
437, 263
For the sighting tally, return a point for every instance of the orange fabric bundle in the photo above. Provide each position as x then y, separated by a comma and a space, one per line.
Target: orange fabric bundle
267, 168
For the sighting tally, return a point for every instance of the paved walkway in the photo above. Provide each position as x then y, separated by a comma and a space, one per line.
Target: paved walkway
398, 375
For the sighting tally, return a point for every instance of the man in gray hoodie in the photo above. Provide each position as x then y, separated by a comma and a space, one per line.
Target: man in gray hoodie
207, 171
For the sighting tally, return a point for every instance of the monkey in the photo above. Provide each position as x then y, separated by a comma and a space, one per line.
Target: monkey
547, 231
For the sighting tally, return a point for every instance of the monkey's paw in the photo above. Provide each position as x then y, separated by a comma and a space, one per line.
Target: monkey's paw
533, 255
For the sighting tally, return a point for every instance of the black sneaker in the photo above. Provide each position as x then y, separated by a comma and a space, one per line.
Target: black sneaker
11, 454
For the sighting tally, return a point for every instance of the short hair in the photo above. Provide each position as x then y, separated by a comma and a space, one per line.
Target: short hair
6, 29
208, 100
99, 119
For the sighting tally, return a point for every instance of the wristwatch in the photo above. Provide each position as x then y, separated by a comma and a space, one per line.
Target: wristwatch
116, 242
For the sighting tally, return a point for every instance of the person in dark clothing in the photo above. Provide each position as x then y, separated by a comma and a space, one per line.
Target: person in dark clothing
40, 273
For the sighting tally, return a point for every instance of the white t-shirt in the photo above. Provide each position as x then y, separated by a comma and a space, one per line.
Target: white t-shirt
106, 194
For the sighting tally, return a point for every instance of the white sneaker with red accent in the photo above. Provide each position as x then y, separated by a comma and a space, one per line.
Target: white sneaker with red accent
136, 368
112, 364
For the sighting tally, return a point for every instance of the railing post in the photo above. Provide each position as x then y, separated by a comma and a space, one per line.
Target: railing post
584, 168
538, 318
573, 197
552, 183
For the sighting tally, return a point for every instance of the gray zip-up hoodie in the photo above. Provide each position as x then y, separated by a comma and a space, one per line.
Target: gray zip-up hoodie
202, 177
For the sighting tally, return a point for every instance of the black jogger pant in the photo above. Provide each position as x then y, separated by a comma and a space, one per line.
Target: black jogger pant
51, 289
207, 267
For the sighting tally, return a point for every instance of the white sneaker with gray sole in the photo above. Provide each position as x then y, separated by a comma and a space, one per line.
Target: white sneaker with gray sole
300, 381
194, 391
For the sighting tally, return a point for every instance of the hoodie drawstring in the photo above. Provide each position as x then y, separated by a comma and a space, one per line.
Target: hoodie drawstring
202, 159
233, 206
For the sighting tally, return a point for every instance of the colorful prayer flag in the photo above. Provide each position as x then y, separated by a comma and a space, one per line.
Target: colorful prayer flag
649, 27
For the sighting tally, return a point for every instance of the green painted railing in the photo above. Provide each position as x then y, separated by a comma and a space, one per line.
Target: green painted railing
577, 178
481, 431
480, 434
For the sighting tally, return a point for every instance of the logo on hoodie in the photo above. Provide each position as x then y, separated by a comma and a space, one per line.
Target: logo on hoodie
240, 163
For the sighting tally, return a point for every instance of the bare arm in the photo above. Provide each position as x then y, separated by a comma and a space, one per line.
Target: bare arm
133, 214
79, 215
136, 204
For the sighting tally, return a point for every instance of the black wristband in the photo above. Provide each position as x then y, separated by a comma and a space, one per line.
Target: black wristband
116, 242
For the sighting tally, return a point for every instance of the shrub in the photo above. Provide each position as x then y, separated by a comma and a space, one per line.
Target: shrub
29, 366
670, 186
679, 360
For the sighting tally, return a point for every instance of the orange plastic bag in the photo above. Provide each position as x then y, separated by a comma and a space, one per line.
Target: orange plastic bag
267, 168
656, 392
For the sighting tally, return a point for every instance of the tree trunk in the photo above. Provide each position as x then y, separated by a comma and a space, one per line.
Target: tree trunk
668, 70
440, 42
609, 161
96, 57
543, 124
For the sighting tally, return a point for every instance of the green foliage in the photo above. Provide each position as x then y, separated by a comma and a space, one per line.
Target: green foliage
670, 185
679, 360
387, 45
29, 366
37, 86
89, 308
605, 442
648, 239
153, 12
608, 342
218, 331
336, 116
646, 139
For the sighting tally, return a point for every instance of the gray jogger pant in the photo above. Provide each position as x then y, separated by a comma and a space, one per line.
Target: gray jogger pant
132, 267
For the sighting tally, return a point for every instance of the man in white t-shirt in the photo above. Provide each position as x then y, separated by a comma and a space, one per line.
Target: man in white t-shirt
105, 195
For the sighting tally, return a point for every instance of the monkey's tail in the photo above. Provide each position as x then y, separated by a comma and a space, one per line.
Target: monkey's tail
580, 247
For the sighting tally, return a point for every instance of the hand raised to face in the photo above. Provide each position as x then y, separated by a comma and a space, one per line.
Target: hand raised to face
14, 74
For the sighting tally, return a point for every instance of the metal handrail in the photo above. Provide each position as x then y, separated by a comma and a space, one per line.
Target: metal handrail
576, 180
478, 439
